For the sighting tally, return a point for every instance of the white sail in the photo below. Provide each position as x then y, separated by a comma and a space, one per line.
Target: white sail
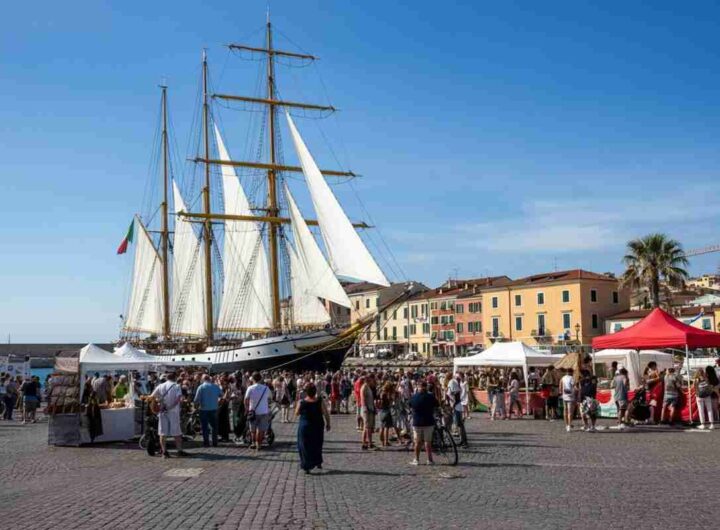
321, 279
188, 275
246, 302
349, 257
145, 310
306, 307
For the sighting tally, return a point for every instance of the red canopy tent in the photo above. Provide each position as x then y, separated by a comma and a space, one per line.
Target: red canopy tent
658, 330
661, 330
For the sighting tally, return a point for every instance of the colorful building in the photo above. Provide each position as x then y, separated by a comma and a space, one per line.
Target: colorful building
552, 308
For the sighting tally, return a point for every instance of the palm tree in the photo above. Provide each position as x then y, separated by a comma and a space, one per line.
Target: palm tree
651, 259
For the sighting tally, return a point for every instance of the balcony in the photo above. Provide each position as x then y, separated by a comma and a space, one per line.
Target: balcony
541, 334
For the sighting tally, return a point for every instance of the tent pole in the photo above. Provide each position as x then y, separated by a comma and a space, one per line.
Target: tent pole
527, 390
689, 389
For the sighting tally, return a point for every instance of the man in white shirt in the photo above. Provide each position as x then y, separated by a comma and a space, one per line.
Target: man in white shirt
169, 395
567, 391
454, 398
257, 403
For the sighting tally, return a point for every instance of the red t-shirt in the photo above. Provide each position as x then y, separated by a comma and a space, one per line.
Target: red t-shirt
356, 389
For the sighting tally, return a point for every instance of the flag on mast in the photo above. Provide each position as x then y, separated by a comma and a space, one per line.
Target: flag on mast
128, 238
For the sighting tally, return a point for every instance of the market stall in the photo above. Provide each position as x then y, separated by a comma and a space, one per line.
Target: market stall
661, 330
118, 419
507, 355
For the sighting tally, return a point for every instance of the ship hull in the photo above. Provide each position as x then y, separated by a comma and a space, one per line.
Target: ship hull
318, 350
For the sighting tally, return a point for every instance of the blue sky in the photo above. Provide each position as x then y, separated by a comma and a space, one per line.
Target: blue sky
493, 137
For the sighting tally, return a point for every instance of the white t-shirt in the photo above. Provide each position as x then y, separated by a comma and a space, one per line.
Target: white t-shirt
568, 387
170, 393
259, 397
452, 390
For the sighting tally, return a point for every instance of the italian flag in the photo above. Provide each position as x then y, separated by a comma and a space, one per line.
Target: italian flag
122, 249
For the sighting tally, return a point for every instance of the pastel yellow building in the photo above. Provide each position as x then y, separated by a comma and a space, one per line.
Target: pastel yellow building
552, 308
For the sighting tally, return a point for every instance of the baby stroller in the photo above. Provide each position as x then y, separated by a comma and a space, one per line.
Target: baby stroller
638, 408
269, 434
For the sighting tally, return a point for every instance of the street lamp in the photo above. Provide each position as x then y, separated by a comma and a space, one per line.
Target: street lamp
577, 333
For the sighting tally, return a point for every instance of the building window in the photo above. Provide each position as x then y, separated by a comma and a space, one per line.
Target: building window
394, 335
494, 302
541, 325
475, 307
565, 297
413, 348
459, 308
405, 312
459, 327
617, 327
384, 315
518, 300
518, 323
707, 324
405, 332
615, 297
595, 321
368, 335
395, 315
593, 295
426, 328
451, 319
385, 334
434, 320
424, 309
367, 303
566, 321
495, 326
357, 305
450, 335
413, 311
433, 305
413, 329
540, 298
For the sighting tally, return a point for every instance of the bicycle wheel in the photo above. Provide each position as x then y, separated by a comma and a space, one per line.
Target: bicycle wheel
444, 446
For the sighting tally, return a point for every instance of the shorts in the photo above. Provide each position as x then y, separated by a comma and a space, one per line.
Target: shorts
260, 423
423, 434
386, 419
368, 419
358, 411
670, 401
169, 423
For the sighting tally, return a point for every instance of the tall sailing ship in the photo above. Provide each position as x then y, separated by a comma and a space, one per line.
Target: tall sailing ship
248, 287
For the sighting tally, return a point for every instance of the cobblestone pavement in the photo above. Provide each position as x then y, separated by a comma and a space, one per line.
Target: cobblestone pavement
516, 474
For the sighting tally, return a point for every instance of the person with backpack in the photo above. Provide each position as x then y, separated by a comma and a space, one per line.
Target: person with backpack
703, 396
621, 386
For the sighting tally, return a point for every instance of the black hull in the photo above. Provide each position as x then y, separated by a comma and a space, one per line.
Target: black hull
330, 359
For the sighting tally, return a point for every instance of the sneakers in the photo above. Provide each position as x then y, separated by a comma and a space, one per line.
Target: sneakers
568, 428
414, 463
701, 426
712, 427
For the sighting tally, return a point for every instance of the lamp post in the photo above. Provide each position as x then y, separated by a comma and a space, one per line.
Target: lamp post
577, 333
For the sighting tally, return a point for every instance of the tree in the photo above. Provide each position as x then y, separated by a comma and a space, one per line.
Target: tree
651, 259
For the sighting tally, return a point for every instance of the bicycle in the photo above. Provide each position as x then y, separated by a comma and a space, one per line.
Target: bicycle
443, 444
149, 438
269, 434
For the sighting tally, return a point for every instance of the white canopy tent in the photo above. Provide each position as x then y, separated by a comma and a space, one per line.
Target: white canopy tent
634, 361
509, 354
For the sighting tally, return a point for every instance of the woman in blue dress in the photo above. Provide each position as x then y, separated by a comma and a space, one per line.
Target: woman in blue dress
313, 421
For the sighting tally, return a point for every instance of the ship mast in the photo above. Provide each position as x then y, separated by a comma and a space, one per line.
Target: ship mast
207, 225
164, 231
272, 208
272, 213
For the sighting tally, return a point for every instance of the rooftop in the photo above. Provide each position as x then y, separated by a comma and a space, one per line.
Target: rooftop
676, 312
563, 276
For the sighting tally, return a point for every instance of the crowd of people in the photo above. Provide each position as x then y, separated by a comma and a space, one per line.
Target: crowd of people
20, 393
392, 407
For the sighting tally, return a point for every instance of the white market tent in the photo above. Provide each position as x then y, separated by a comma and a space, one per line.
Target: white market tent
634, 361
508, 354
129, 352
